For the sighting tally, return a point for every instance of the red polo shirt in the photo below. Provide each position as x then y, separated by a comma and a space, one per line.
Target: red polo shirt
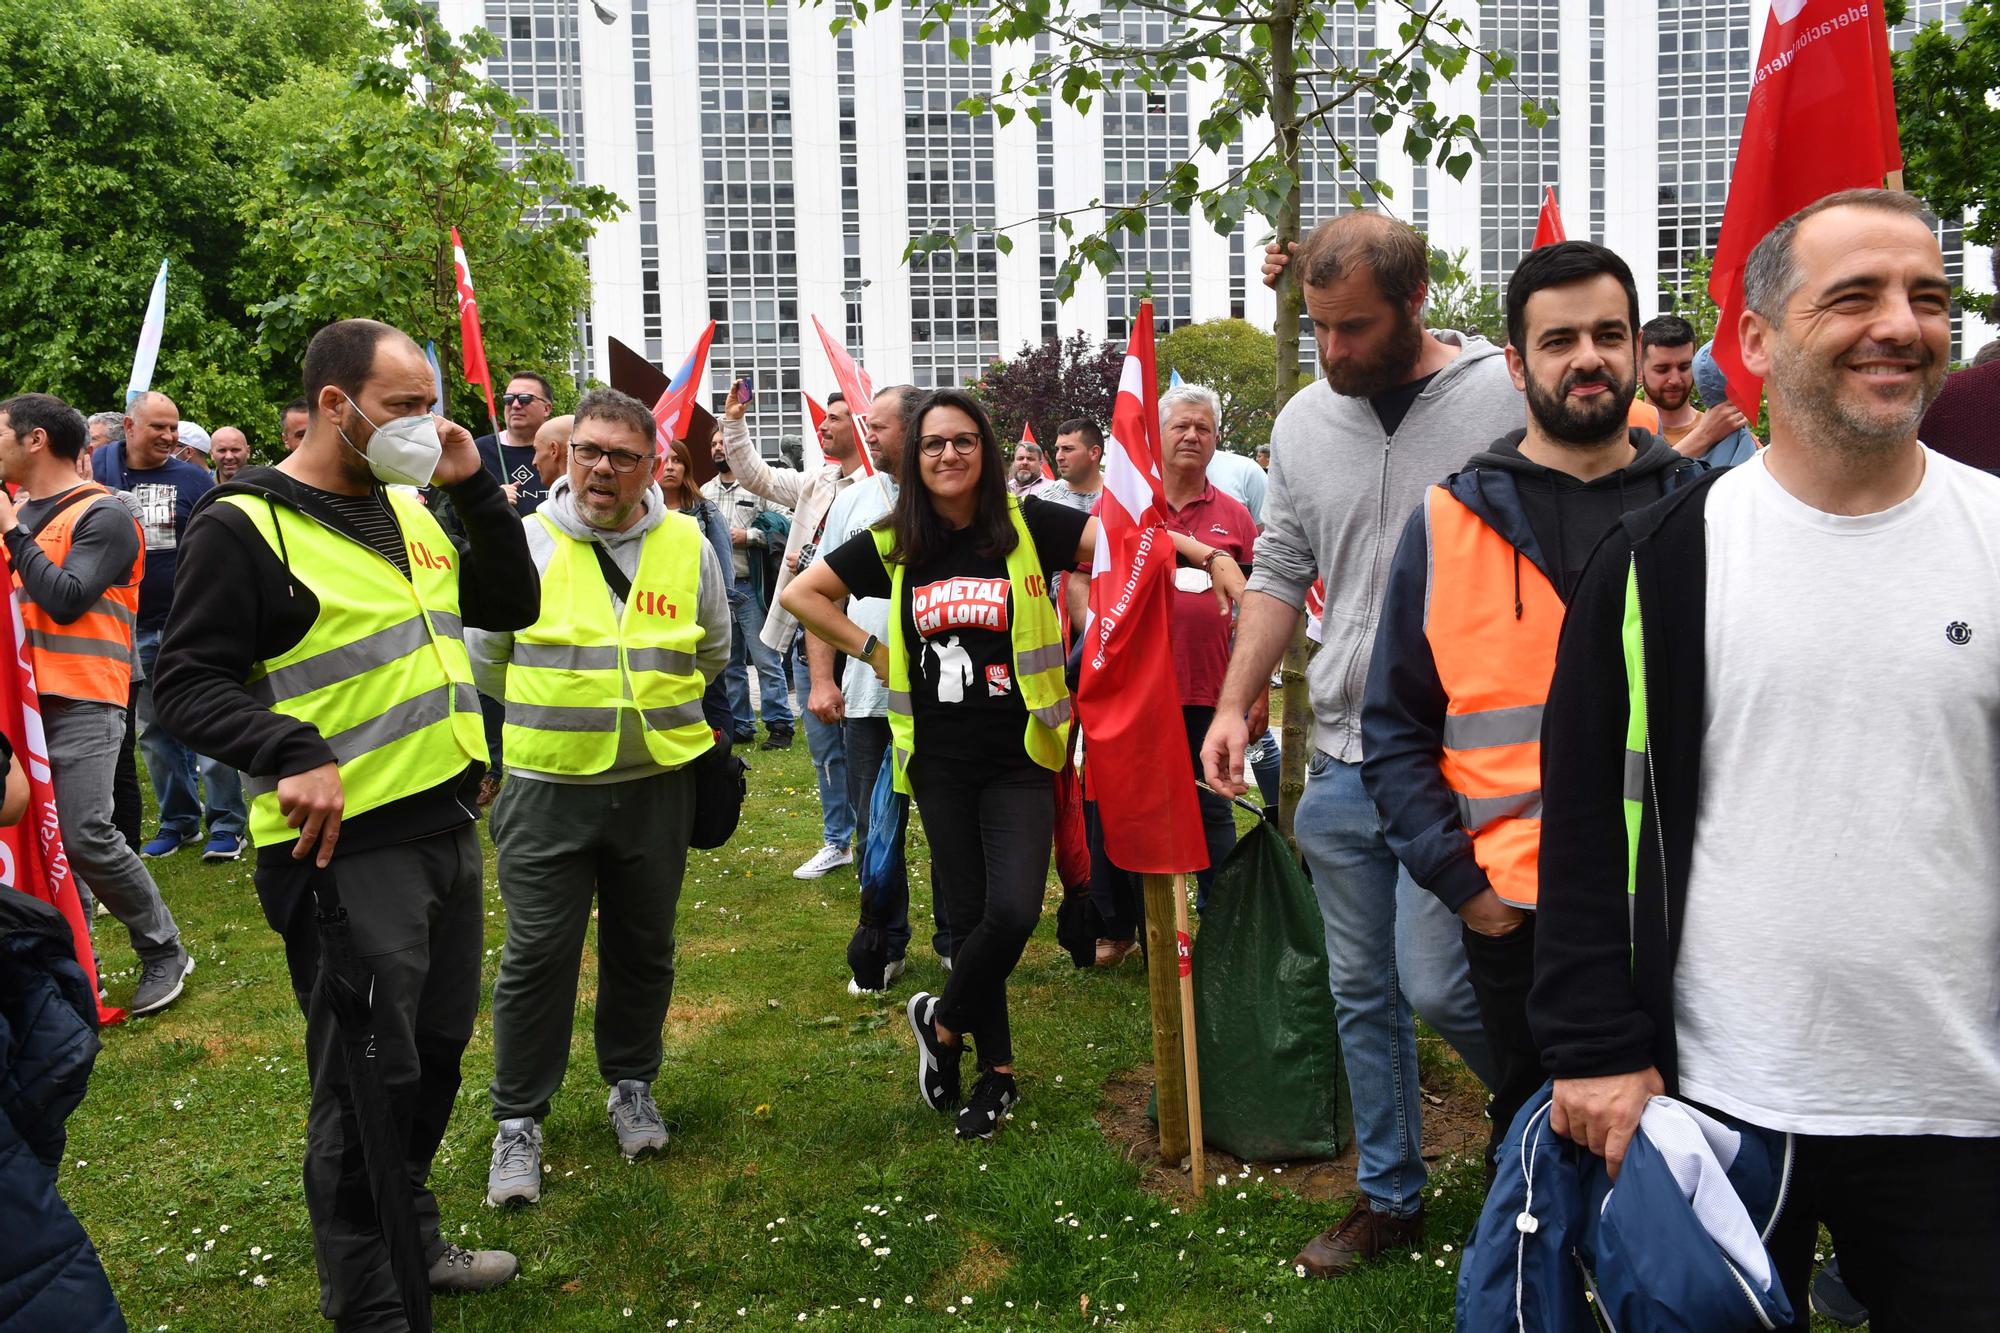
1201, 628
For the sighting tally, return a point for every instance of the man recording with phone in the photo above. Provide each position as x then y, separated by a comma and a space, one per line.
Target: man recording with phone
809, 495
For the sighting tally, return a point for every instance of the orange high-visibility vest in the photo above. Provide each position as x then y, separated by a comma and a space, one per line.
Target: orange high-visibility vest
1492, 618
91, 657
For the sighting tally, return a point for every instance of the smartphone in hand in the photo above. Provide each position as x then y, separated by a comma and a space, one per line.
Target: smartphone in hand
743, 389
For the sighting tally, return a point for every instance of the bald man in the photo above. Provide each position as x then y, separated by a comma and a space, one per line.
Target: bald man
228, 452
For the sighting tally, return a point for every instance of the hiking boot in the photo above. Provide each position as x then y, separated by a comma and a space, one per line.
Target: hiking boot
223, 847
991, 1097
937, 1063
635, 1120
1362, 1235
824, 861
777, 738
460, 1269
516, 1174
1831, 1300
161, 981
891, 970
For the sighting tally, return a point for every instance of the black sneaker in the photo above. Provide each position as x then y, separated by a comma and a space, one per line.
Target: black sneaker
778, 738
937, 1063
1831, 1300
991, 1097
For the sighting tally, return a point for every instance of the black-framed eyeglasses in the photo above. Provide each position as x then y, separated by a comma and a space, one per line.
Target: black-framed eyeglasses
621, 460
933, 445
520, 399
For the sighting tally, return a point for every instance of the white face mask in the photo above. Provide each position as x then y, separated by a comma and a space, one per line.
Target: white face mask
402, 452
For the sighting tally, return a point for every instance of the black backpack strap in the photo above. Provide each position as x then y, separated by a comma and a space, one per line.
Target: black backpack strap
613, 575
71, 499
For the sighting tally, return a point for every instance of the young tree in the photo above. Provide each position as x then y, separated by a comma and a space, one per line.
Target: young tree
1458, 300
357, 218
1950, 126
1233, 358
1048, 383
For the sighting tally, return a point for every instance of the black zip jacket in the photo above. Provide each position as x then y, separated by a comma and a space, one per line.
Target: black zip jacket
1603, 995
236, 603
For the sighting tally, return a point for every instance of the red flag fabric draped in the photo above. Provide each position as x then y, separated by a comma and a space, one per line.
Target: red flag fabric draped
31, 852
1135, 768
471, 341
855, 387
1822, 118
1549, 226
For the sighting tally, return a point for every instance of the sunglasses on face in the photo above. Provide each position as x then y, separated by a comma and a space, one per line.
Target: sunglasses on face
520, 399
933, 445
621, 461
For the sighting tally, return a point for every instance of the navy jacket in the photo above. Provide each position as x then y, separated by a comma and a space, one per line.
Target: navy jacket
50, 1277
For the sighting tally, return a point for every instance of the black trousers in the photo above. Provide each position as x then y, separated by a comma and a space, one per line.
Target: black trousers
415, 919
1915, 1220
991, 832
127, 810
1117, 894
1502, 967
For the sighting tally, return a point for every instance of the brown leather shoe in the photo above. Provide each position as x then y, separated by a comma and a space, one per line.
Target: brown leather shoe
1362, 1235
1110, 953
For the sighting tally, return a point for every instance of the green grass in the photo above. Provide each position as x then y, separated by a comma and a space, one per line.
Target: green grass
797, 1132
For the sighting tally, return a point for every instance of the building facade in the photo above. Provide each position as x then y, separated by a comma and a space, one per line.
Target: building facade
774, 172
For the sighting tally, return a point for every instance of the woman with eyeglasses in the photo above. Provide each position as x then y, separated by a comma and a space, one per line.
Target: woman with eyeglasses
979, 711
683, 496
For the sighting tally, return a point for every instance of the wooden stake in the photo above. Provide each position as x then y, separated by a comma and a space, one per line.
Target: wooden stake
1163, 986
1185, 957
1895, 180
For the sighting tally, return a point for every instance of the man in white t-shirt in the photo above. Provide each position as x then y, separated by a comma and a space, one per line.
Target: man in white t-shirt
1787, 680
1079, 454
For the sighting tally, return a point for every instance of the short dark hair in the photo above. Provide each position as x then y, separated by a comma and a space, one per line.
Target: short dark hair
343, 354
538, 378
49, 414
1393, 251
1556, 265
835, 397
920, 532
1092, 433
620, 409
1771, 274
296, 405
1666, 331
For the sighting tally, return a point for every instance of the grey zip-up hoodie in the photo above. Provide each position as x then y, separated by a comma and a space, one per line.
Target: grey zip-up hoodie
491, 652
1340, 490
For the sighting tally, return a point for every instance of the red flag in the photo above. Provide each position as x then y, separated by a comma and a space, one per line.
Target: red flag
855, 386
674, 412
31, 852
1549, 226
1028, 437
1136, 769
1822, 118
810, 452
471, 341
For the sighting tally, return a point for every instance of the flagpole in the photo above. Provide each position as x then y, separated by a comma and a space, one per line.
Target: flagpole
1184, 956
1163, 985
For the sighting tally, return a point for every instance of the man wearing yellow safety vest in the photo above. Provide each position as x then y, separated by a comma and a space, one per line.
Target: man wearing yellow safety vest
317, 646
1451, 722
77, 558
603, 696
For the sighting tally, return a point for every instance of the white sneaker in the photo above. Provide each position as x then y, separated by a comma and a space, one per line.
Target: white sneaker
826, 859
891, 970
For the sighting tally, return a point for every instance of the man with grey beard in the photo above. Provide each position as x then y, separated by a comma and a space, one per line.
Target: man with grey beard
1774, 724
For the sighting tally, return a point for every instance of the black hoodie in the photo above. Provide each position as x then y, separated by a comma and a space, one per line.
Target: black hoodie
237, 603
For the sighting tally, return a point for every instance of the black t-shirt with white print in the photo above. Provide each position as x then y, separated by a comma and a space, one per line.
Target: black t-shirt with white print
958, 619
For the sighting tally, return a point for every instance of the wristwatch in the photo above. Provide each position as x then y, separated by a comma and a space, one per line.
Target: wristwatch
868, 648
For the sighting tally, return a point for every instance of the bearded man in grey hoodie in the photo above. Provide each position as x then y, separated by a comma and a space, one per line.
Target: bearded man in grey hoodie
604, 716
1396, 411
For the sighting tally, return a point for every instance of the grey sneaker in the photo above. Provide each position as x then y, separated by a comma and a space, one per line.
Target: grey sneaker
161, 981
635, 1120
459, 1269
516, 1174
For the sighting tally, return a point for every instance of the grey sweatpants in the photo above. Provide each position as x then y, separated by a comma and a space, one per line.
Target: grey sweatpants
560, 845
85, 738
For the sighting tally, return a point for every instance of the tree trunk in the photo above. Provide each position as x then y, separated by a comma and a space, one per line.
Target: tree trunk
1296, 731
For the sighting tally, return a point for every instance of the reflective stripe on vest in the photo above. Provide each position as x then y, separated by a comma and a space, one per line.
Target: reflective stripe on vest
579, 669
382, 673
89, 657
1494, 663
1036, 636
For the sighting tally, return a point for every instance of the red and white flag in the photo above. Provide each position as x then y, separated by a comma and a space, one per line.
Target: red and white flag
1136, 769
471, 341
855, 387
810, 452
1549, 225
31, 852
1822, 118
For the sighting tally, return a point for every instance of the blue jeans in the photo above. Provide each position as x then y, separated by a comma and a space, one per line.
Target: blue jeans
179, 774
748, 649
1391, 947
829, 755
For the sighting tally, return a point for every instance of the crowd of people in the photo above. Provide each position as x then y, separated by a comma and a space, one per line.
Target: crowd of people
1647, 757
